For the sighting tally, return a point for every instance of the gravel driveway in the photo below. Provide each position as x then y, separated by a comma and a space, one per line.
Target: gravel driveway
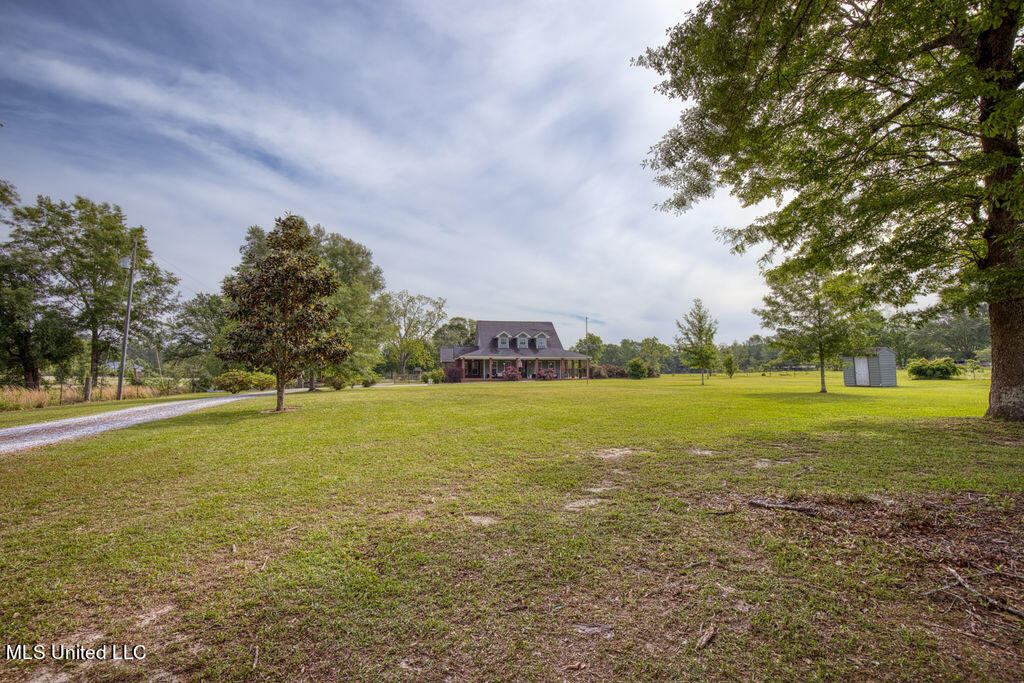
42, 433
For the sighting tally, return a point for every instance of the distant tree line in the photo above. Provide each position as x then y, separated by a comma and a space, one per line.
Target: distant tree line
63, 296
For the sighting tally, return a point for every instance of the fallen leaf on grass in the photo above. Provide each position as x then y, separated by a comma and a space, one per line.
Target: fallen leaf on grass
705, 639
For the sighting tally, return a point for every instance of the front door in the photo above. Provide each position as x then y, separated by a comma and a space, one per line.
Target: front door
860, 369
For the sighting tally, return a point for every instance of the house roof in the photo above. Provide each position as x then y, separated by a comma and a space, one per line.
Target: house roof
487, 332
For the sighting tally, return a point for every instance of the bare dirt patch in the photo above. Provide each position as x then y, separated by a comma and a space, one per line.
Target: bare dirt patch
764, 463
482, 520
408, 516
153, 615
582, 504
613, 453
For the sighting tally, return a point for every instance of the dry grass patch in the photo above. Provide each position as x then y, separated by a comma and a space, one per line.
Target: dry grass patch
613, 453
582, 504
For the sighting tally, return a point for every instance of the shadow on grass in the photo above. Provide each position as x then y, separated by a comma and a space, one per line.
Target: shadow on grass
200, 419
804, 397
878, 454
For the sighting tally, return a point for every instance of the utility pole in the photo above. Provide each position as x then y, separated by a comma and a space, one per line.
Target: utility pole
127, 317
586, 333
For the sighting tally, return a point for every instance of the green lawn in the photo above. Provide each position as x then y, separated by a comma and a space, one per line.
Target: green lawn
13, 418
530, 530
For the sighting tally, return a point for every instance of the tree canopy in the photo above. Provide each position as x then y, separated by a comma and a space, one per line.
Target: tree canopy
887, 134
280, 305
815, 318
412, 321
696, 339
81, 244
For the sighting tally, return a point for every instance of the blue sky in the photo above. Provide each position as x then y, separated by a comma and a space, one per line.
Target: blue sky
489, 153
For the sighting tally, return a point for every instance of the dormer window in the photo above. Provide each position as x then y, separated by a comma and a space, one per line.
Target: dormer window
502, 341
542, 341
523, 341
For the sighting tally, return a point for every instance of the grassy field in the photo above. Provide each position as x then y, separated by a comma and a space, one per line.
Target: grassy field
530, 530
13, 418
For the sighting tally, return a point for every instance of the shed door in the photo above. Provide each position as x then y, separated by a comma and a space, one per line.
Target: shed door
860, 369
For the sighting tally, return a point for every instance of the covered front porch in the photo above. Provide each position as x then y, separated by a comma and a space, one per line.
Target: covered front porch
484, 369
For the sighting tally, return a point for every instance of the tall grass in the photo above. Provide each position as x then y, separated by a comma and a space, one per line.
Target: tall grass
19, 398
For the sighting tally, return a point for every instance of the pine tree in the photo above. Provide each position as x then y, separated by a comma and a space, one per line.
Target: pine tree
696, 339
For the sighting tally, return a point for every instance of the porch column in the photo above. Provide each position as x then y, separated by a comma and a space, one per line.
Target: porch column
490, 367
562, 373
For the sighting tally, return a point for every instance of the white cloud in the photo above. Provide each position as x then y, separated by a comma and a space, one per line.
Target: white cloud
487, 154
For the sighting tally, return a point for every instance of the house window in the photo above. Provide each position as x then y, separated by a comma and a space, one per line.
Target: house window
524, 342
542, 342
502, 341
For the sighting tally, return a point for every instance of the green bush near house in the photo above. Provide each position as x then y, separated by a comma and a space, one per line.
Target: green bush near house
234, 381
940, 368
436, 375
263, 380
637, 368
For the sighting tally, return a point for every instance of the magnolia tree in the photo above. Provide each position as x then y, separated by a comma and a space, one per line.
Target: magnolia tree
887, 133
280, 306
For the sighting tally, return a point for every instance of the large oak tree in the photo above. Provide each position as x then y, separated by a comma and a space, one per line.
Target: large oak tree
887, 133
81, 244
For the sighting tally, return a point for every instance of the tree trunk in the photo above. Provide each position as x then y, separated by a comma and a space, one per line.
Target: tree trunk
1005, 251
312, 379
29, 368
94, 358
31, 376
821, 366
1006, 395
280, 394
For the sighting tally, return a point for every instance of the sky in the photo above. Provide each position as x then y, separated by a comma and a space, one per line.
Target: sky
488, 153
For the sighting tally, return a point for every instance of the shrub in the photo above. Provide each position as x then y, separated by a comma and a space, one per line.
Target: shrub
615, 371
511, 373
336, 382
636, 368
234, 381
940, 368
203, 381
598, 372
453, 373
370, 379
547, 373
436, 375
652, 371
263, 380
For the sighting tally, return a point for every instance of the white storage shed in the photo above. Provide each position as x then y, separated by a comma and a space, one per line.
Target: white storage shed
872, 367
